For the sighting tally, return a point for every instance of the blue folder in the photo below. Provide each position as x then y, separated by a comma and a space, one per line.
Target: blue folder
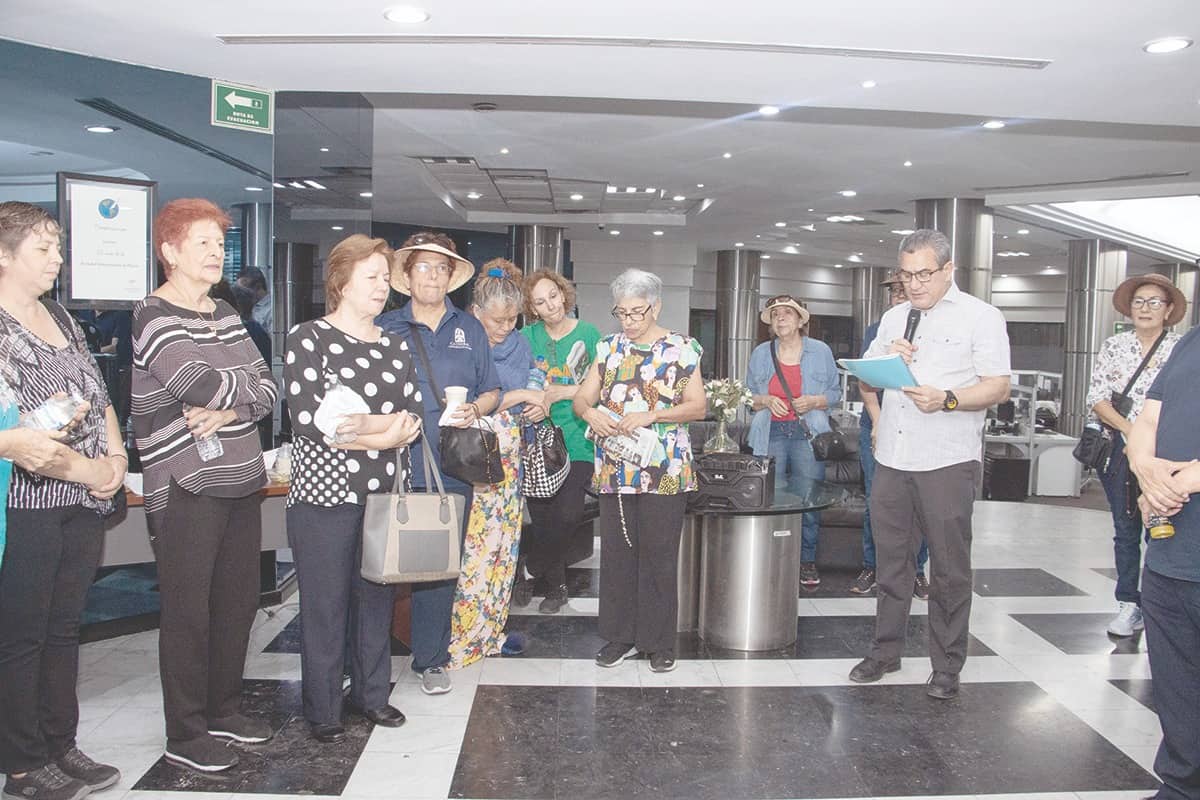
883, 372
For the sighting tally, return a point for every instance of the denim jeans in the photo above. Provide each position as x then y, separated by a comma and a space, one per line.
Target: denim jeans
794, 456
1127, 529
866, 458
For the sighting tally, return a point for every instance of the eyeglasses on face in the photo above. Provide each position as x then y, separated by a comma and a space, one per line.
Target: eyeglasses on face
924, 276
634, 315
1152, 303
897, 291
440, 269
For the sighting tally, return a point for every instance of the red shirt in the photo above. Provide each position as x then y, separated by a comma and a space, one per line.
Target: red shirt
795, 382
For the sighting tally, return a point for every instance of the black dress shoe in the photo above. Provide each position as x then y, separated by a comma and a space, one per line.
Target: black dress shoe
869, 670
387, 717
943, 685
328, 733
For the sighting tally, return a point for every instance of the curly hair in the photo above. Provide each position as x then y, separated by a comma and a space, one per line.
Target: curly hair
499, 282
178, 216
564, 286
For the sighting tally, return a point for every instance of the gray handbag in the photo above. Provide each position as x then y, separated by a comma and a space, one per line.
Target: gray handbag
412, 537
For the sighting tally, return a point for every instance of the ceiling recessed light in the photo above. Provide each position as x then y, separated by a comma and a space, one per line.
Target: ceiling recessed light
994, 124
758, 236
102, 128
650, 190
780, 224
576, 196
406, 15
837, 266
766, 255
314, 184
630, 189
679, 198
881, 241
848, 193
296, 185
699, 185
768, 111
254, 188
791, 248
324, 149
854, 258
366, 194
726, 155
1023, 231
908, 163
810, 209
503, 151
614, 233
611, 190
1003, 274
1167, 44
739, 244
658, 233
337, 228
278, 185
903, 232
473, 195
1004, 236
869, 84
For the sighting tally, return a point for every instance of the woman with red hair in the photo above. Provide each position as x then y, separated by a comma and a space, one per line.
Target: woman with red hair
199, 386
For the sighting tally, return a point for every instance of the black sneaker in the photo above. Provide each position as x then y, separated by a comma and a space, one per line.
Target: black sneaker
241, 728
614, 653
864, 583
522, 593
204, 753
869, 670
45, 783
75, 764
555, 599
809, 575
921, 587
662, 661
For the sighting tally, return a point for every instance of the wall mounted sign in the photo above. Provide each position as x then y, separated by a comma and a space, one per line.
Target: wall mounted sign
243, 107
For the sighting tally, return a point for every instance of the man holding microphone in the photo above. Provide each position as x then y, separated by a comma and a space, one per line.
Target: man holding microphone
929, 452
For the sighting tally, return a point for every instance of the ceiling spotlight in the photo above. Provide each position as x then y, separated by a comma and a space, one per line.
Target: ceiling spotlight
837, 266
758, 236
337, 228
630, 189
780, 224
576, 196
739, 244
791, 248
903, 232
766, 255
366, 194
679, 198
503, 151
810, 209
278, 185
726, 155
869, 84
1022, 231
614, 233
254, 188
1168, 44
908, 163
650, 190
854, 258
848, 193
406, 15
611, 190
324, 149
296, 185
101, 128
699, 185
473, 195
993, 124
313, 184
768, 111
657, 233
1003, 274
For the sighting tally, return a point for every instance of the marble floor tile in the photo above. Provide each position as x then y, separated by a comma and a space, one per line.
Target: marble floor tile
1027, 582
1139, 689
288, 641
1079, 634
420, 776
419, 734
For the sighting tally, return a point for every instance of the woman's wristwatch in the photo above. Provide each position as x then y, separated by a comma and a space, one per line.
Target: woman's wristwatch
951, 402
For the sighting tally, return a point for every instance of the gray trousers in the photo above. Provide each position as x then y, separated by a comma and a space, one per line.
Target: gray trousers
905, 506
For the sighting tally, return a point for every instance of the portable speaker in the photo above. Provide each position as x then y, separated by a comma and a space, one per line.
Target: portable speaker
733, 481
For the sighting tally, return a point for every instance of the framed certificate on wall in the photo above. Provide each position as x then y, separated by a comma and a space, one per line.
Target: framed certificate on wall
108, 228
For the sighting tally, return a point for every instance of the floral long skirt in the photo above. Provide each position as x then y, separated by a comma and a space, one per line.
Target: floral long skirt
489, 558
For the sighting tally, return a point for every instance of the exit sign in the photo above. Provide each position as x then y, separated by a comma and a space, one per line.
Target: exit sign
243, 107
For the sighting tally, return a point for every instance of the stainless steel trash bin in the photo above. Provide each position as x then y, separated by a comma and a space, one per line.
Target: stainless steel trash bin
749, 580
689, 575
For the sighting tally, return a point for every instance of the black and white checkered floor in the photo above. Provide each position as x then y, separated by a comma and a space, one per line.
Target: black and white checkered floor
1051, 708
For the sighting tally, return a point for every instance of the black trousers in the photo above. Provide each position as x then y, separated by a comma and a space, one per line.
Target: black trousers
334, 600
207, 551
1172, 612
905, 506
555, 520
49, 563
639, 601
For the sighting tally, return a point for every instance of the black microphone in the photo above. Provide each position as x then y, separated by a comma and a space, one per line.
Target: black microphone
910, 330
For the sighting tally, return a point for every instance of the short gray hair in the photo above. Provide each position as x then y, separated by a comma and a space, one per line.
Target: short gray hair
637, 283
927, 239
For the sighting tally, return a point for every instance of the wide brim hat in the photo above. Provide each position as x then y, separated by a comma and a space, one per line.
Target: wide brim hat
463, 269
891, 280
785, 302
1123, 296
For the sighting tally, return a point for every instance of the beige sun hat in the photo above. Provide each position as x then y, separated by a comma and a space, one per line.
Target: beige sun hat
463, 269
1123, 296
787, 301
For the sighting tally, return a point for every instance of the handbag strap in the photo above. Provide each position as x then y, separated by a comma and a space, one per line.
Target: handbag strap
419, 345
788, 391
1141, 367
432, 476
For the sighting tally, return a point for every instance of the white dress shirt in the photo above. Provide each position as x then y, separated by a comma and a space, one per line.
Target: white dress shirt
959, 341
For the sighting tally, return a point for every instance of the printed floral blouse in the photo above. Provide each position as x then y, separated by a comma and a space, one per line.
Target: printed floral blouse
1118, 359
648, 378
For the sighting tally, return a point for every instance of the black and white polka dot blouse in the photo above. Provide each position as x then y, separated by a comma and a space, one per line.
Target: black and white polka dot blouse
382, 374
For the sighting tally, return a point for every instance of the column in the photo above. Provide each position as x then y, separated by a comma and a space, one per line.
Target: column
967, 223
738, 273
1094, 268
536, 247
868, 300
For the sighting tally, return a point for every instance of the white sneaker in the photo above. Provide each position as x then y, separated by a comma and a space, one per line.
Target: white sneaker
1128, 620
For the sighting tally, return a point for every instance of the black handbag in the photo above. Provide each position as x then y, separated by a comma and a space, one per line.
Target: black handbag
1095, 443
828, 446
470, 454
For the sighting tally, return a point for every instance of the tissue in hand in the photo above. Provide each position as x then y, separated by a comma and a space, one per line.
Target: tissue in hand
340, 401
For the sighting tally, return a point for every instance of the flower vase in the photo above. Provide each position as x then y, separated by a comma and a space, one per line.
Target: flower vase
721, 441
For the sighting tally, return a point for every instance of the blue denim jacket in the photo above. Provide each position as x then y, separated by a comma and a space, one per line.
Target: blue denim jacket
820, 377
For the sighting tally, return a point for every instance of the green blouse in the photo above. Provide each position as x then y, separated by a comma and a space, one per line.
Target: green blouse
550, 355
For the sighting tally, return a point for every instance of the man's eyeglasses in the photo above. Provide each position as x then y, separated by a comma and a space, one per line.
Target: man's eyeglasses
440, 269
897, 291
924, 276
1152, 303
630, 316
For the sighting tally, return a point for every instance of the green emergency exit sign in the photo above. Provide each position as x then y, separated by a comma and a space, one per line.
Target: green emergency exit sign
243, 107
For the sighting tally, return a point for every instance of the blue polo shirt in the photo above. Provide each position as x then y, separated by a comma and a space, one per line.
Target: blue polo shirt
459, 355
1179, 440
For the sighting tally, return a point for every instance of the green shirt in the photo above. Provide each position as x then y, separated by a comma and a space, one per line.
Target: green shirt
551, 355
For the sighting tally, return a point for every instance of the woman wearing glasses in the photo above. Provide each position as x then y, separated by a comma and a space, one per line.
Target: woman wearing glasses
1154, 304
641, 496
782, 429
453, 345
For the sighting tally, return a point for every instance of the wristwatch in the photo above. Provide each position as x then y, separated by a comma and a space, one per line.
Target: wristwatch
951, 402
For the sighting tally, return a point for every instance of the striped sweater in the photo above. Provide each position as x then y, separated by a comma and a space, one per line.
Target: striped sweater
183, 357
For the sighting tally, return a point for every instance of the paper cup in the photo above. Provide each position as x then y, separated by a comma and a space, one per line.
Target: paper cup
456, 395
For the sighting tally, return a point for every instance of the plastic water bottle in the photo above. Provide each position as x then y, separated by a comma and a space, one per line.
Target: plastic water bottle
208, 447
53, 414
1160, 526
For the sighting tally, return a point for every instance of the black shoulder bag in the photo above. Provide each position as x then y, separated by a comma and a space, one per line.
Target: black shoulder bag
828, 446
470, 454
